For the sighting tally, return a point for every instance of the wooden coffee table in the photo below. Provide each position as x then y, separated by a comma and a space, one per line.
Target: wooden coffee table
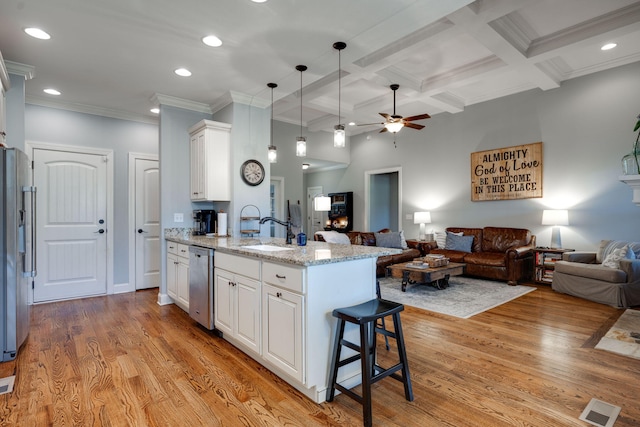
437, 277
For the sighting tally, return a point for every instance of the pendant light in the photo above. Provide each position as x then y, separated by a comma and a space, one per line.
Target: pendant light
273, 154
338, 132
301, 142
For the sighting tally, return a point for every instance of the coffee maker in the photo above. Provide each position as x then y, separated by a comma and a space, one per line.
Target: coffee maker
204, 221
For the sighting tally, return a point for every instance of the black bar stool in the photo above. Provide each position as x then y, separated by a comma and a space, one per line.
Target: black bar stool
366, 315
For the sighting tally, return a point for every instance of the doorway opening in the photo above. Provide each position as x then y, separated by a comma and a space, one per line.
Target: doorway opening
383, 199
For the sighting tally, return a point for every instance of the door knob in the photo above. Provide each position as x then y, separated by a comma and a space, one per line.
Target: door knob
140, 230
99, 231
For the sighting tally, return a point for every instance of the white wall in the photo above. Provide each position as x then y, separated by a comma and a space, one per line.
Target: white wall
586, 127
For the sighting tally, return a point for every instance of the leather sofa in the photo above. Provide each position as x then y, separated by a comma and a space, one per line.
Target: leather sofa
586, 275
497, 253
368, 238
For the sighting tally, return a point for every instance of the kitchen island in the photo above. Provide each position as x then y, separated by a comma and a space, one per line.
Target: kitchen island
274, 301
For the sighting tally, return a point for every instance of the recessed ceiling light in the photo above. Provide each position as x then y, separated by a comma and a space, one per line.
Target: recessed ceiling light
304, 165
155, 110
51, 91
352, 123
212, 41
37, 33
608, 46
183, 72
259, 1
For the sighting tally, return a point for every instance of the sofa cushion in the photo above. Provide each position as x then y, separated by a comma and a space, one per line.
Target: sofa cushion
454, 256
613, 259
458, 243
591, 271
492, 259
500, 239
388, 240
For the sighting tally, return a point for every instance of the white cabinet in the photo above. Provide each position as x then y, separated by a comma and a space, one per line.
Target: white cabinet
178, 274
282, 318
237, 299
210, 148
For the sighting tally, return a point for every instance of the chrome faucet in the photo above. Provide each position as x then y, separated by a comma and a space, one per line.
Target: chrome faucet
290, 235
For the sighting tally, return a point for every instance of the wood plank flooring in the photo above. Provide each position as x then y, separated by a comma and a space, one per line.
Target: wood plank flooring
123, 360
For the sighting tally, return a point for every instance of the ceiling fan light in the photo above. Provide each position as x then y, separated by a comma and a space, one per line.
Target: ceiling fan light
393, 127
301, 146
338, 136
272, 154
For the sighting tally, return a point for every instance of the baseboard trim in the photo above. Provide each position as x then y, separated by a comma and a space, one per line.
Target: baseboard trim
164, 299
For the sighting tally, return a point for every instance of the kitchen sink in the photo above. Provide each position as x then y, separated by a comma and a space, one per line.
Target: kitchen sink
267, 248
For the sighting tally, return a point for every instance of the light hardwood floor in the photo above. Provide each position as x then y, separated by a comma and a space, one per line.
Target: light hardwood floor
123, 360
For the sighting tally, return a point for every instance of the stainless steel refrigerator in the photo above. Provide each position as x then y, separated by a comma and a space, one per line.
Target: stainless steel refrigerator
17, 245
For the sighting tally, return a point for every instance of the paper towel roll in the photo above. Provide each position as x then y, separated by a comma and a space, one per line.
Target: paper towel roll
222, 224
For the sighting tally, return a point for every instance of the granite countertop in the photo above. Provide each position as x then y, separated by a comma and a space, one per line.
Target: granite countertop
314, 253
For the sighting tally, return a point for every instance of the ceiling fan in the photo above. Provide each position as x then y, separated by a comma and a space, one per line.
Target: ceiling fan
395, 122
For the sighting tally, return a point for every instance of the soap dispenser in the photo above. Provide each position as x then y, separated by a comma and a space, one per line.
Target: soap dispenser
301, 238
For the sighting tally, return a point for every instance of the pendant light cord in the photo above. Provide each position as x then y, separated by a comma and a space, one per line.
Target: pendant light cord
339, 85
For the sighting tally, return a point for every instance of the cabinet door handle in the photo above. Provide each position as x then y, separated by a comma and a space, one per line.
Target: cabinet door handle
281, 277
278, 294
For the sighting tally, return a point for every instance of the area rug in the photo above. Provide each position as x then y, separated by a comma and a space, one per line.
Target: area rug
463, 298
624, 336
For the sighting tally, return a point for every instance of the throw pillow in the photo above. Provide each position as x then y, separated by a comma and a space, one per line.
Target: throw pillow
388, 240
335, 237
441, 238
459, 243
613, 259
403, 241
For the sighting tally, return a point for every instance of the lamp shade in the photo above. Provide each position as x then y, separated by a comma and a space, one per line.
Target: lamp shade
321, 203
555, 217
422, 217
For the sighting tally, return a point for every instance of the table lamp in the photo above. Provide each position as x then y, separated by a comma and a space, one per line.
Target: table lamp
422, 218
321, 203
555, 217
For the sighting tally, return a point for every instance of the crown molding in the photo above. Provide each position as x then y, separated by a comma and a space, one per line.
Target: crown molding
233, 97
90, 109
5, 83
172, 101
24, 70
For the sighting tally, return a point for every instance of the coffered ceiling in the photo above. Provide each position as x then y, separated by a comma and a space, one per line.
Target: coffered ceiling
112, 57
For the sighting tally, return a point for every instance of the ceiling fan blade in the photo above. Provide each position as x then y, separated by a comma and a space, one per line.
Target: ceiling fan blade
418, 117
385, 115
369, 124
413, 126
383, 130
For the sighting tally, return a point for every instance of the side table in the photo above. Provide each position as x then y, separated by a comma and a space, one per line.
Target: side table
544, 259
424, 246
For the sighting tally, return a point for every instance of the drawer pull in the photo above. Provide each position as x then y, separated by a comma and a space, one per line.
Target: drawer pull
278, 294
281, 277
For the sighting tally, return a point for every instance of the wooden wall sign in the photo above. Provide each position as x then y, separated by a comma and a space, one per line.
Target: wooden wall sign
507, 173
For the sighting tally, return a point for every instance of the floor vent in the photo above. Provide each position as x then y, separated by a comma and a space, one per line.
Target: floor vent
6, 384
599, 413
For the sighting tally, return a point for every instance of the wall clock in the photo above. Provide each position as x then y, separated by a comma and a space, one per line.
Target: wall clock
252, 172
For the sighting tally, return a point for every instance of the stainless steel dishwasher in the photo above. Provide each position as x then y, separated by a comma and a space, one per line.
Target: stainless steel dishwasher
201, 285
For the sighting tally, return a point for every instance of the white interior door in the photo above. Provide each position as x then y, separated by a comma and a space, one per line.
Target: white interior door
71, 224
147, 223
315, 219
